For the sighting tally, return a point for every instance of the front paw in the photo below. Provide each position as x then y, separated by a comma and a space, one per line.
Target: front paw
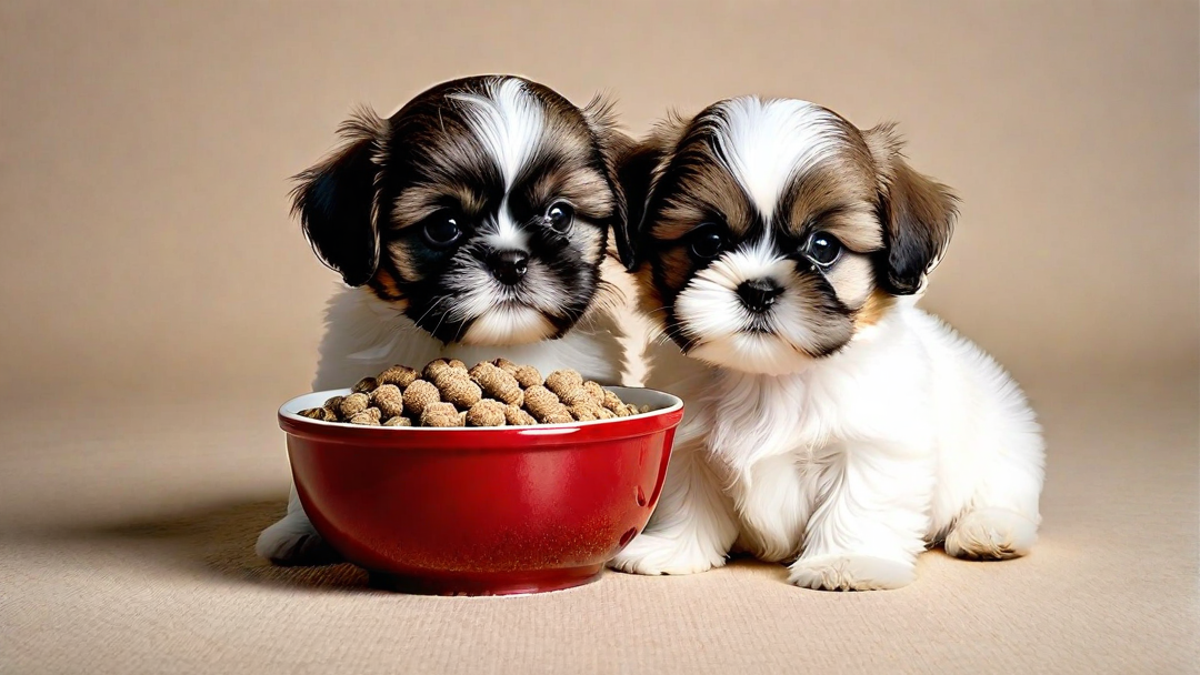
654, 554
848, 572
294, 541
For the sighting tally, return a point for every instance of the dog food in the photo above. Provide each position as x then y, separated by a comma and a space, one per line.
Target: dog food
445, 393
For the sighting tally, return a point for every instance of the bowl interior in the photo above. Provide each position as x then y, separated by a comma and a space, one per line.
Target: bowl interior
659, 402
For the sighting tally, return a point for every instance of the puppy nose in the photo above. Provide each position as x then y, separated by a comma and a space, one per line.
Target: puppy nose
508, 266
758, 295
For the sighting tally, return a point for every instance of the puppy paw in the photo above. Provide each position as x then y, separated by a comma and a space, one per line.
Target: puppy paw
293, 541
991, 534
847, 572
653, 554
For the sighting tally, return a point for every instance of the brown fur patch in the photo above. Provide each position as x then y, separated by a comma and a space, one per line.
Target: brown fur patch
873, 310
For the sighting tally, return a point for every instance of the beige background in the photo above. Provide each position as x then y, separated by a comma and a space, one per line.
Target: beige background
158, 303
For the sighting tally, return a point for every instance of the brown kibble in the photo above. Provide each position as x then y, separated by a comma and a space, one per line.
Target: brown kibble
631, 409
354, 404
575, 396
365, 385
398, 421
545, 406
611, 401
334, 403
418, 395
517, 417
606, 414
585, 411
505, 365
439, 414
499, 385
527, 376
563, 417
460, 391
562, 381
595, 391
644, 409
366, 418
389, 399
401, 376
313, 413
438, 365
486, 413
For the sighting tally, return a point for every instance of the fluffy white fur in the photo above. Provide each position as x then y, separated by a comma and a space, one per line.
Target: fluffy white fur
365, 335
850, 467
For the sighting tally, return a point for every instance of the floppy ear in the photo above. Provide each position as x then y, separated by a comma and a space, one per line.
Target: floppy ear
917, 214
638, 169
335, 200
614, 145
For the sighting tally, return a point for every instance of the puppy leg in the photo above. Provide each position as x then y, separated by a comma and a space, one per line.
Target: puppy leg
1001, 521
868, 527
692, 528
293, 540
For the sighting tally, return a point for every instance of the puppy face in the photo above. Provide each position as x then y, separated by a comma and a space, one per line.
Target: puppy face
480, 209
773, 231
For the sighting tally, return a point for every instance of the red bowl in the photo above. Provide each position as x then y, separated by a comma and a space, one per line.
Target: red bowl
481, 511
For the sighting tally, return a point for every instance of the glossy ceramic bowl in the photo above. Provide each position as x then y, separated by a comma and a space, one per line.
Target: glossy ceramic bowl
481, 511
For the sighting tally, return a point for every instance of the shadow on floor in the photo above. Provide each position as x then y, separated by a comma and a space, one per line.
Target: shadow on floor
220, 539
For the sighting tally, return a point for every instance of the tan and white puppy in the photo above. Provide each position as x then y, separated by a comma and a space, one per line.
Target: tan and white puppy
831, 424
472, 224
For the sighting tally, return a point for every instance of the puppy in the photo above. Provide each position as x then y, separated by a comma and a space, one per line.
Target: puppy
472, 224
831, 424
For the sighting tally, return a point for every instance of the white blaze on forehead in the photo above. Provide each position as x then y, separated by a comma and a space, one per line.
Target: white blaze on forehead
765, 144
509, 122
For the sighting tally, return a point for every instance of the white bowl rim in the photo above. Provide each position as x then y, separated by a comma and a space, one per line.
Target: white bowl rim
291, 410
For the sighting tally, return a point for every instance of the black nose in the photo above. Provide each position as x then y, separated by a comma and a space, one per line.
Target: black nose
508, 266
758, 295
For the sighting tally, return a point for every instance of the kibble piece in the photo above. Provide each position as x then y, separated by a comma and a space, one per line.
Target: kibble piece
595, 391
585, 411
631, 409
401, 376
612, 401
334, 403
517, 417
498, 384
575, 396
460, 391
365, 385
354, 404
366, 418
527, 376
331, 415
313, 413
606, 414
562, 381
643, 409
545, 406
438, 365
505, 365
418, 395
398, 421
440, 415
389, 399
486, 413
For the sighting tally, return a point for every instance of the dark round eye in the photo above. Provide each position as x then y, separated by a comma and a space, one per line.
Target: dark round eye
442, 229
823, 248
559, 216
707, 241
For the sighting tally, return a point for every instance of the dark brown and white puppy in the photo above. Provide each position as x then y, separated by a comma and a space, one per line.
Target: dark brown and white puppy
830, 422
473, 223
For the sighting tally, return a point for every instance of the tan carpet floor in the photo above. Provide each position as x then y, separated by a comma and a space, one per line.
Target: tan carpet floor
125, 547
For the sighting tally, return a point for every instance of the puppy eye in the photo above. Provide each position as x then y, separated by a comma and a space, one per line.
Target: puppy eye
442, 229
823, 248
707, 241
559, 216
